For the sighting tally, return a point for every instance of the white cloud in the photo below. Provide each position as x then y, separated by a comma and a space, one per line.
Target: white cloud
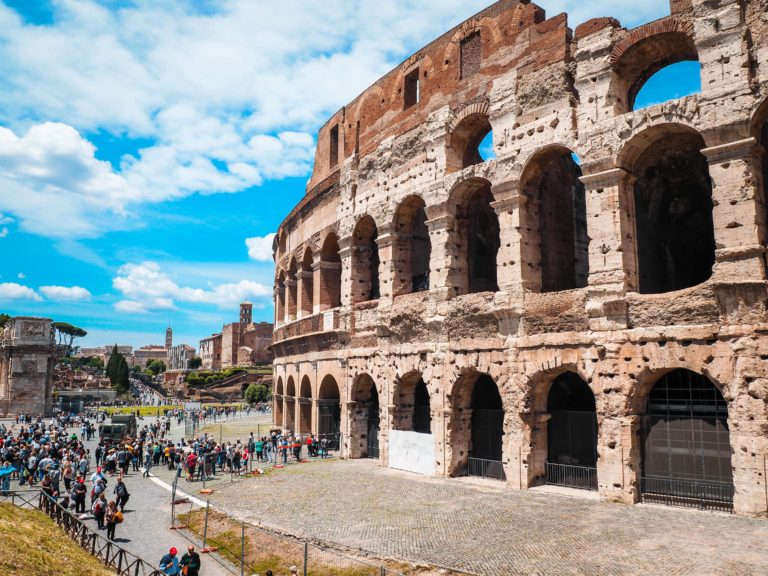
21, 276
224, 108
65, 293
13, 291
147, 287
260, 247
4, 232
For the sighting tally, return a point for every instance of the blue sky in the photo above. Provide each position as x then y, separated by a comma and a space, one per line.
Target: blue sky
148, 150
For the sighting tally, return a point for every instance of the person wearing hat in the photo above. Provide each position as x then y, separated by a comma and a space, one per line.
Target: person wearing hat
169, 564
190, 562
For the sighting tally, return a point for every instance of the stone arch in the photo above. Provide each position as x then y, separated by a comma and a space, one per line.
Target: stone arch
365, 418
759, 130
281, 244
476, 426
476, 237
412, 247
290, 404
486, 27
277, 403
645, 51
671, 192
467, 129
412, 402
365, 261
329, 411
291, 290
305, 280
686, 446
555, 243
305, 405
330, 273
280, 297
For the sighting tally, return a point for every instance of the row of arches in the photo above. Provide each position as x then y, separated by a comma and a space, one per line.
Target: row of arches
684, 429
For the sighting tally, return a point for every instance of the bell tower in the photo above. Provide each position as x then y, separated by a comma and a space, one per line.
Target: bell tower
168, 338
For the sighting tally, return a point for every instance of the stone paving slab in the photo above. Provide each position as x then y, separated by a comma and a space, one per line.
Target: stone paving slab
484, 528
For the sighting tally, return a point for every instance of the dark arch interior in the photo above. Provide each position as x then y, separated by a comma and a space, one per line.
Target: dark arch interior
487, 420
373, 424
330, 274
413, 248
329, 412
572, 428
686, 433
367, 260
673, 207
466, 140
422, 419
482, 241
764, 142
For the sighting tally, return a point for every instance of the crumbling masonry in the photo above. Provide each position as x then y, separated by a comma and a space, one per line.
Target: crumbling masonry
588, 308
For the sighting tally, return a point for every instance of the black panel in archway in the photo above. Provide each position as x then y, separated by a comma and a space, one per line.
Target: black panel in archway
329, 421
487, 420
422, 420
572, 428
686, 432
373, 425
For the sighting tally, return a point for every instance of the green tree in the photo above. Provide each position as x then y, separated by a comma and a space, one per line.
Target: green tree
257, 393
195, 363
96, 362
112, 364
156, 367
66, 334
122, 383
4, 318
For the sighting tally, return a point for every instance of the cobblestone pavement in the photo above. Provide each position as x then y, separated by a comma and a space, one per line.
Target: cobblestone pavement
483, 528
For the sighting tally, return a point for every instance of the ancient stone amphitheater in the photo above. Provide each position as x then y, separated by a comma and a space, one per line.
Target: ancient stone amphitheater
586, 307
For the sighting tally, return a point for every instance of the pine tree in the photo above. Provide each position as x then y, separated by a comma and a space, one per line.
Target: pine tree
122, 383
112, 365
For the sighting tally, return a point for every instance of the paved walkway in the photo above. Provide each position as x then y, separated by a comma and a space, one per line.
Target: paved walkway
483, 528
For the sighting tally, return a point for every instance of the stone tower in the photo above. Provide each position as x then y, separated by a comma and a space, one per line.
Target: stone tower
168, 338
246, 314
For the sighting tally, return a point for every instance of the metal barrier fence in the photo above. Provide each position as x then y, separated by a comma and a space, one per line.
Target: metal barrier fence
247, 549
493, 469
123, 562
716, 496
581, 477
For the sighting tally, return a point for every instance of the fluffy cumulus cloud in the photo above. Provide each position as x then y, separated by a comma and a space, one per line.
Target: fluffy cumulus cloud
252, 101
67, 293
14, 291
260, 247
146, 287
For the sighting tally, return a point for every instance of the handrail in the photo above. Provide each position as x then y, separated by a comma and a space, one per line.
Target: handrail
125, 563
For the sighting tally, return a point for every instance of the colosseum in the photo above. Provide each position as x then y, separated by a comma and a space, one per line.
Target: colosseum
587, 306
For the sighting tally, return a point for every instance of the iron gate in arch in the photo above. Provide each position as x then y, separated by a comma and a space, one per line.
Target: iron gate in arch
485, 458
329, 422
572, 449
686, 444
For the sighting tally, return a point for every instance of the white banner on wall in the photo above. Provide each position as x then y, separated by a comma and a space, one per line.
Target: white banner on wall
412, 452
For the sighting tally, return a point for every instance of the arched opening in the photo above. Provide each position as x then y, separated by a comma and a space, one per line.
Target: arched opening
280, 298
291, 290
464, 148
412, 405
571, 434
686, 458
330, 274
364, 425
412, 249
365, 261
670, 83
476, 237
673, 210
290, 405
329, 412
305, 277
763, 138
305, 406
486, 149
277, 404
556, 249
637, 60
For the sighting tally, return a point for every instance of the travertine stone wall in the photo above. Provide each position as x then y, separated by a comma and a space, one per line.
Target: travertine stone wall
27, 356
546, 92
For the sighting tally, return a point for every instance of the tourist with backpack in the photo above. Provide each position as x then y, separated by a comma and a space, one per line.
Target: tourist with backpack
169, 564
112, 518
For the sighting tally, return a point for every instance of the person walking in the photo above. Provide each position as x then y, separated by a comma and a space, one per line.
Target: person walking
147, 461
112, 518
79, 493
121, 492
191, 562
169, 564
99, 510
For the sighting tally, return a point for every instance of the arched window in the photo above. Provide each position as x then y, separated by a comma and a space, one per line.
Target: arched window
305, 278
365, 261
555, 242
305, 406
670, 83
366, 418
280, 298
329, 412
686, 444
330, 274
412, 247
291, 291
673, 210
482, 240
412, 405
277, 403
571, 434
464, 147
290, 405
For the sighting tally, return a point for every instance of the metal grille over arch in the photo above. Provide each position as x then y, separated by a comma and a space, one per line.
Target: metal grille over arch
277, 402
305, 406
329, 412
571, 433
290, 405
686, 444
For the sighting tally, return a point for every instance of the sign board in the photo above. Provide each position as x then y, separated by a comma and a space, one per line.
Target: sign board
193, 405
412, 452
327, 321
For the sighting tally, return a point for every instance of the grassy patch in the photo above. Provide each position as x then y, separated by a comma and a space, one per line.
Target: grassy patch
230, 431
33, 544
143, 410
